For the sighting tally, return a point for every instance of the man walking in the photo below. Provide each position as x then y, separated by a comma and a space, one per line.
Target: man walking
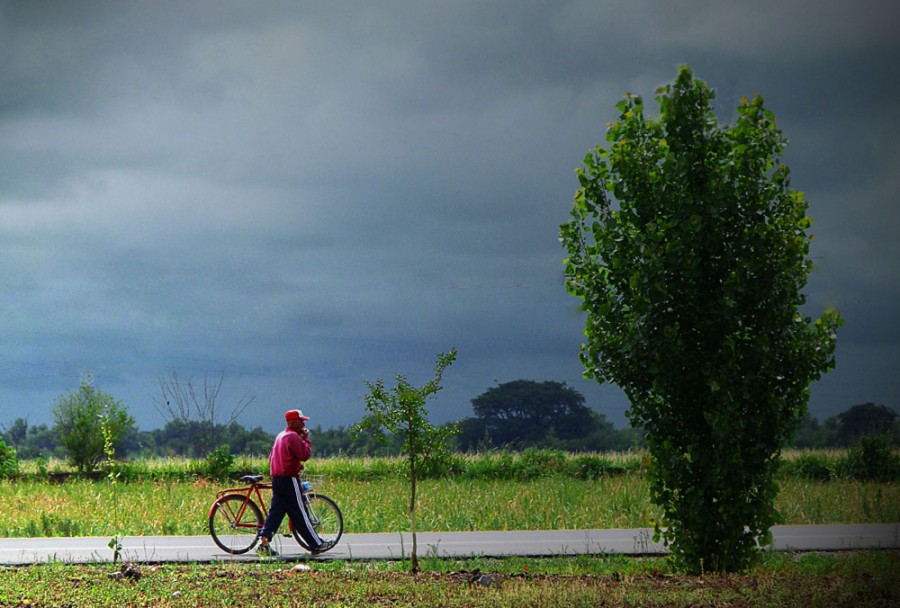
290, 450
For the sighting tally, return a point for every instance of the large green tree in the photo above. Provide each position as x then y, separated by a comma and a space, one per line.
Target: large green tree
864, 419
523, 413
80, 421
688, 249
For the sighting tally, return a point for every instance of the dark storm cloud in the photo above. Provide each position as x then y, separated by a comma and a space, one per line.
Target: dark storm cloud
307, 195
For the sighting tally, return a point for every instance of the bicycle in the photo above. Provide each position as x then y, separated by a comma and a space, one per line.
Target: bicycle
236, 520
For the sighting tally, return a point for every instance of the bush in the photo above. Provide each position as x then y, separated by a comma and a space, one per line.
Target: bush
593, 466
80, 419
534, 463
489, 465
872, 459
219, 463
814, 467
448, 465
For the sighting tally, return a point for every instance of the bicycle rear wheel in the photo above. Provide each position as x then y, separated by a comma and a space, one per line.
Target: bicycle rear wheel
235, 522
326, 519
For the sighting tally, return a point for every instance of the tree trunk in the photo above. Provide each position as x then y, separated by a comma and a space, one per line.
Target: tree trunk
414, 564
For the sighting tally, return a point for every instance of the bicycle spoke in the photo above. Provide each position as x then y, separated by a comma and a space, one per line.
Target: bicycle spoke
234, 523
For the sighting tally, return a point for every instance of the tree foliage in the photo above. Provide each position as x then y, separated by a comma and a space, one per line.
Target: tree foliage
688, 249
523, 410
526, 413
864, 419
848, 427
31, 441
80, 420
9, 463
183, 438
401, 411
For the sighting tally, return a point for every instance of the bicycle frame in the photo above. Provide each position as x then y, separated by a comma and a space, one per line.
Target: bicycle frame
247, 492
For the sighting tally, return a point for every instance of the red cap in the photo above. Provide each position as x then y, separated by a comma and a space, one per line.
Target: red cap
295, 415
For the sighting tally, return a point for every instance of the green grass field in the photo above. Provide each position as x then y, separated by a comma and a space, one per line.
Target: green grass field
495, 492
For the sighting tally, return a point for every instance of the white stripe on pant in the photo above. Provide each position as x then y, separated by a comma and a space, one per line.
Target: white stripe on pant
287, 499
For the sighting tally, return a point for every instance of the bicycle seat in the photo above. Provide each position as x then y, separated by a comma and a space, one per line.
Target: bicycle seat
251, 478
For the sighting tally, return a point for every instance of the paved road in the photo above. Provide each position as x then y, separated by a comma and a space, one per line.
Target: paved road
443, 544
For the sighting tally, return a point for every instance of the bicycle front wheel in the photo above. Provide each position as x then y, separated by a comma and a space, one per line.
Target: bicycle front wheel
235, 522
326, 519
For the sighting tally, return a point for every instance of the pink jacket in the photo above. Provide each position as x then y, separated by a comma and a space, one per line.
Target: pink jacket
289, 452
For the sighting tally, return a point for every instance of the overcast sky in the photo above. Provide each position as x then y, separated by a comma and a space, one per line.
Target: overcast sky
303, 196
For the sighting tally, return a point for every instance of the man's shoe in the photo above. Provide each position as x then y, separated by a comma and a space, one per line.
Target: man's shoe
322, 548
266, 551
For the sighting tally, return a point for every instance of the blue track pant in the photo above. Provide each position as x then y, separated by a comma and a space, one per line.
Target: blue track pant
287, 499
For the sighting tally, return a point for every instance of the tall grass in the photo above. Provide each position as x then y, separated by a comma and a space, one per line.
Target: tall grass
818, 465
85, 508
462, 505
537, 489
838, 501
520, 466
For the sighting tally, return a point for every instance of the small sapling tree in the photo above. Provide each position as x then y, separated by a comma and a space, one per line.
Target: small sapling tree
688, 249
115, 543
401, 411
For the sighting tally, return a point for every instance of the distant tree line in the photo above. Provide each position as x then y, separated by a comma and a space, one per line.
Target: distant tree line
848, 427
513, 416
176, 438
85, 419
